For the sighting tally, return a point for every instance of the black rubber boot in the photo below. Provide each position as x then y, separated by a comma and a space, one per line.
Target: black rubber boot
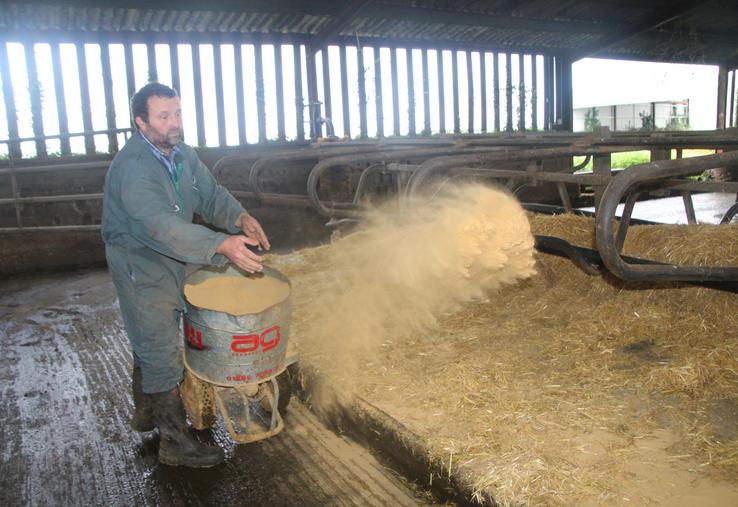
143, 415
178, 447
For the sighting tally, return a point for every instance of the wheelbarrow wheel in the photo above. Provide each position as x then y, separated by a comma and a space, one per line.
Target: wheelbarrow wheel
199, 401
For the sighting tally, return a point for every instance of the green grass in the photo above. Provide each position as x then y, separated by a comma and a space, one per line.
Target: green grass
629, 158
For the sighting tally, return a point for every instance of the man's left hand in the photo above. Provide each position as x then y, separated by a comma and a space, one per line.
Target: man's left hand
252, 229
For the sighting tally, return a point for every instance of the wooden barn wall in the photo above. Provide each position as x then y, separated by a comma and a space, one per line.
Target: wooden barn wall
239, 91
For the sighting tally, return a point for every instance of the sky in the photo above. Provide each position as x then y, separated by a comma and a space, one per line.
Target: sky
595, 82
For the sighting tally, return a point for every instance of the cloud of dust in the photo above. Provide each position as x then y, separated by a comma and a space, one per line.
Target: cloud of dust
404, 268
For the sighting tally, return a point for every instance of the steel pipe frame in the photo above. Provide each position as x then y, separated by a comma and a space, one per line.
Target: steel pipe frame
635, 179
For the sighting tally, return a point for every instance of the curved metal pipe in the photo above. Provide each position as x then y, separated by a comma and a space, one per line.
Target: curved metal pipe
638, 176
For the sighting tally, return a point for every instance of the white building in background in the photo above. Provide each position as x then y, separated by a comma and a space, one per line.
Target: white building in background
666, 114
599, 82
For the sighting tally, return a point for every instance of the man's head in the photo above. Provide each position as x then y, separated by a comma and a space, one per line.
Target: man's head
158, 115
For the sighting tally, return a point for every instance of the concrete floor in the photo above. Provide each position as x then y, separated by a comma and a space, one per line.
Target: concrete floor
709, 208
65, 408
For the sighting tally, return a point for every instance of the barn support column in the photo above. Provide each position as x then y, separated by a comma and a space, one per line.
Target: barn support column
564, 119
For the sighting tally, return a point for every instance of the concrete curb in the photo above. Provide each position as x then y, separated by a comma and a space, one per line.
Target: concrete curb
400, 447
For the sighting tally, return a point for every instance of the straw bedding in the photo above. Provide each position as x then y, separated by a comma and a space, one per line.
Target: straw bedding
562, 389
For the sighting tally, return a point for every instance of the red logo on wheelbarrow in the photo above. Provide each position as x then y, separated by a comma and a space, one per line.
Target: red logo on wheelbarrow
247, 343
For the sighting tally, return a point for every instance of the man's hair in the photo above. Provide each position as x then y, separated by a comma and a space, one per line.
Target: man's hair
140, 101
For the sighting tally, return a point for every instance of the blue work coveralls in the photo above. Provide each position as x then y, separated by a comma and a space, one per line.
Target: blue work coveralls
149, 238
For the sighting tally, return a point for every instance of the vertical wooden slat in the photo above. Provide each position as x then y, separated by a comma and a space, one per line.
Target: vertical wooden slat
174, 62
455, 84
34, 90
61, 99
299, 101
395, 93
344, 92
10, 112
151, 57
280, 91
240, 102
426, 94
496, 89
470, 90
130, 75
483, 89
410, 92
312, 82
508, 92
521, 91
327, 86
362, 92
731, 98
534, 93
107, 78
548, 92
378, 91
567, 94
84, 92
197, 83
441, 94
219, 96
260, 101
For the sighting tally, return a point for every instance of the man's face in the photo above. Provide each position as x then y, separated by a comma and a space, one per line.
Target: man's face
164, 128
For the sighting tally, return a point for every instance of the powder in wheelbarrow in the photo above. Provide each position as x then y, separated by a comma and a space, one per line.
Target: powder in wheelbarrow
237, 295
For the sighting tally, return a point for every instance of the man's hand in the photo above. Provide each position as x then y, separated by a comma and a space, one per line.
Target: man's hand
235, 249
252, 229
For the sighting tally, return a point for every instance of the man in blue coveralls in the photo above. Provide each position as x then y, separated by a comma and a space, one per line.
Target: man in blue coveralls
154, 186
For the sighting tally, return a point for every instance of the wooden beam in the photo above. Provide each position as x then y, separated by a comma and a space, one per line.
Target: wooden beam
260, 92
362, 92
344, 92
240, 101
496, 89
521, 91
219, 93
508, 92
378, 91
84, 92
426, 94
722, 91
299, 99
483, 89
441, 94
61, 99
11, 115
107, 77
197, 79
34, 91
279, 80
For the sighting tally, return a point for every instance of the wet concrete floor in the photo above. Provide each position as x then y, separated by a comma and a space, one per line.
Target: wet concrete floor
65, 408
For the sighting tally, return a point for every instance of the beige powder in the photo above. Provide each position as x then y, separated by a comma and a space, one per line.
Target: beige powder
237, 295
400, 272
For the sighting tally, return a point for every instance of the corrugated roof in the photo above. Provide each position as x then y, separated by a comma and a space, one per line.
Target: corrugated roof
670, 30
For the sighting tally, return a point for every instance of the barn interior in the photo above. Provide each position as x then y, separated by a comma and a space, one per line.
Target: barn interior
606, 375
